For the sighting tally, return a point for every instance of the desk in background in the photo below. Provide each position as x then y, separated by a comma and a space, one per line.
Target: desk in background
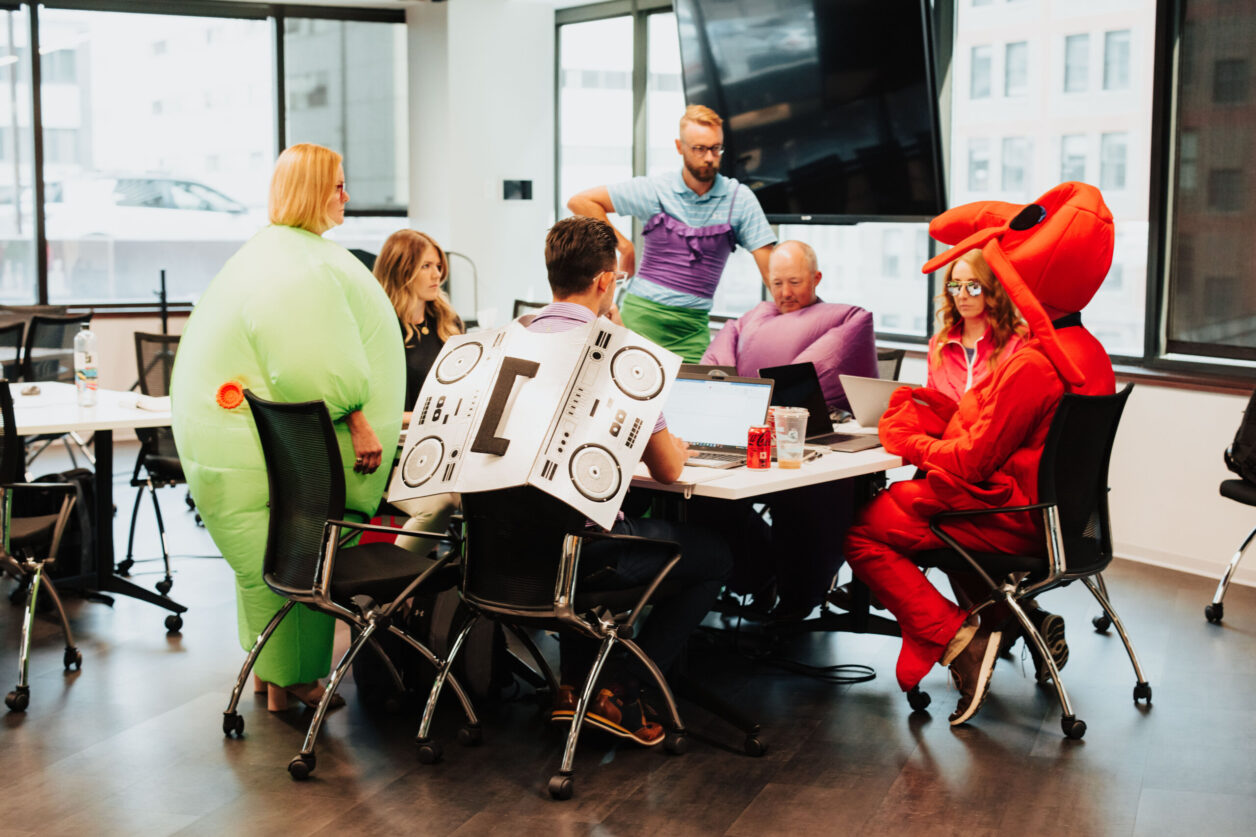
55, 410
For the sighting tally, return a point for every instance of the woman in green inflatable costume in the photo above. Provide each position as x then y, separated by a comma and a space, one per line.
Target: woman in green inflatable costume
293, 317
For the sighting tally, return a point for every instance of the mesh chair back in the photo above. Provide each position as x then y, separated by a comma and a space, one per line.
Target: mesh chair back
12, 449
49, 353
11, 349
154, 357
1074, 469
889, 363
513, 547
307, 486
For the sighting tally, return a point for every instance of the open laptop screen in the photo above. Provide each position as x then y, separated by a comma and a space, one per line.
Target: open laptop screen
708, 411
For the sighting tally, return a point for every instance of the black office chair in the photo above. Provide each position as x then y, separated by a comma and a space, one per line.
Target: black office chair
1073, 500
158, 458
522, 552
889, 363
31, 542
11, 350
1244, 492
304, 548
48, 355
525, 307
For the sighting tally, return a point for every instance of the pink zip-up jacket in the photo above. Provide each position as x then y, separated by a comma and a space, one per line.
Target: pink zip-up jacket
955, 375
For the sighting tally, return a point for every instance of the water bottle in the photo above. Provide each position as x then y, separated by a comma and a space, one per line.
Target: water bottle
85, 366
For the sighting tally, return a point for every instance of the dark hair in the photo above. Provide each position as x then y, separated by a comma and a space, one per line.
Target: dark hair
576, 250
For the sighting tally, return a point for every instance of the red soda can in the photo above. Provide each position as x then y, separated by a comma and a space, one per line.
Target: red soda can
759, 447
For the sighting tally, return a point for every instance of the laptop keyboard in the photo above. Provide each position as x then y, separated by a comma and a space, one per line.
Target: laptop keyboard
718, 457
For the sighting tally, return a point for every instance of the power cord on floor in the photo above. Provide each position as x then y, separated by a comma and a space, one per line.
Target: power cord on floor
840, 674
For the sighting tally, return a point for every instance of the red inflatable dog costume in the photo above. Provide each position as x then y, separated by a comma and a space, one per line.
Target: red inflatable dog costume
1051, 256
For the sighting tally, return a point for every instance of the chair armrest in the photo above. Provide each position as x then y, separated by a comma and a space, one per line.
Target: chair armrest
23, 485
977, 512
650, 589
388, 530
935, 526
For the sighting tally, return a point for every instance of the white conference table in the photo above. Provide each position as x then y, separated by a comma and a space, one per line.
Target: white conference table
55, 409
744, 483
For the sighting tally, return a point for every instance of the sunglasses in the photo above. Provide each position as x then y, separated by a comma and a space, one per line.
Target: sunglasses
973, 288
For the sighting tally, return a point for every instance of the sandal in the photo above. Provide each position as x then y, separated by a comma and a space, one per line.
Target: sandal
309, 694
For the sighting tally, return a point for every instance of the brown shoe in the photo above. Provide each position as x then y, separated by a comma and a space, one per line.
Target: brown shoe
971, 672
564, 706
609, 714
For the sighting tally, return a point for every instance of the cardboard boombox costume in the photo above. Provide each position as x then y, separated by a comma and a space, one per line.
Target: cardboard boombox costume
569, 413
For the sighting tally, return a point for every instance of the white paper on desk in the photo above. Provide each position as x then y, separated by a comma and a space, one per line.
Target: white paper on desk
569, 413
153, 403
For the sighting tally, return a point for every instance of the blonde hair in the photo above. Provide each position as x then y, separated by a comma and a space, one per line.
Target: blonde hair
301, 187
700, 115
1001, 314
395, 268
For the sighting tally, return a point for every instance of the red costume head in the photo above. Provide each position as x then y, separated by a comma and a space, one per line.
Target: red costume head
1051, 255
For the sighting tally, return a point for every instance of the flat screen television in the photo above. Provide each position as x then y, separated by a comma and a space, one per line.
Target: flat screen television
829, 106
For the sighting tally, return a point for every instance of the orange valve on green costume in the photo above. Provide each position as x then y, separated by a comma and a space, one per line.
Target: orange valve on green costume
230, 395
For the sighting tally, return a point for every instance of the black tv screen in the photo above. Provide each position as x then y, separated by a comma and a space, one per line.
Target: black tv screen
829, 106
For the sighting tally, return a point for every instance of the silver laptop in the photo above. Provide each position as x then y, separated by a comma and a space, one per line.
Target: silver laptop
714, 415
868, 397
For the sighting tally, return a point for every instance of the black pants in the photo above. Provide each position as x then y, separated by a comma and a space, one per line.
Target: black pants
609, 565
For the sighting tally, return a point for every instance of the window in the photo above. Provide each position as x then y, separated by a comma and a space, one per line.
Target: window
1073, 157
1112, 149
1225, 190
1188, 157
17, 194
978, 165
1076, 63
112, 158
359, 107
1116, 60
1017, 161
595, 112
979, 83
664, 95
1016, 69
1229, 81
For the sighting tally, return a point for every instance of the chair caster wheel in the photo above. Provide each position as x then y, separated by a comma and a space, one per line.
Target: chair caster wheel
561, 787
1214, 612
753, 746
676, 743
233, 722
1142, 691
124, 566
72, 657
1101, 622
471, 735
918, 701
430, 752
301, 766
174, 623
1073, 727
18, 699
163, 586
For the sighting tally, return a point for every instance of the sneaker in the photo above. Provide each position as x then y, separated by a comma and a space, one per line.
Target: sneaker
609, 714
1051, 628
971, 670
564, 705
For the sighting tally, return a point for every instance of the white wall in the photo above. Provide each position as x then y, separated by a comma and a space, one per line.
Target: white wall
482, 110
1166, 466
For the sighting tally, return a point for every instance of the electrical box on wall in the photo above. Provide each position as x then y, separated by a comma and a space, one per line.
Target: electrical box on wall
517, 190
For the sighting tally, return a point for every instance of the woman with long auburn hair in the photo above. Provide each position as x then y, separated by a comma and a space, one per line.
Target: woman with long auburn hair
978, 327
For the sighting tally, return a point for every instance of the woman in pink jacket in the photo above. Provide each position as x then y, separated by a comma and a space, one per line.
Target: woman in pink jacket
979, 327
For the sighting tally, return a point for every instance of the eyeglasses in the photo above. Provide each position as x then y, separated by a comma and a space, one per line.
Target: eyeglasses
621, 276
703, 150
340, 190
973, 288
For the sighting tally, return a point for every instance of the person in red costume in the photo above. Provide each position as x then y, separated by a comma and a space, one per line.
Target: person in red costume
983, 451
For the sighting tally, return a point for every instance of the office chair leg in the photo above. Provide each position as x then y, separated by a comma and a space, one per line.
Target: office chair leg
1072, 726
30, 457
65, 440
560, 784
1215, 611
467, 708
18, 699
1101, 622
82, 446
163, 586
231, 720
1142, 689
302, 764
72, 657
124, 566
429, 751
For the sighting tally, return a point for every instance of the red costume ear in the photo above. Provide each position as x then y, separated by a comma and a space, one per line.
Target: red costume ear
1051, 254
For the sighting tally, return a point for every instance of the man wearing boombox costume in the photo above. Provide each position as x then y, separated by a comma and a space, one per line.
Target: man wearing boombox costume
1051, 256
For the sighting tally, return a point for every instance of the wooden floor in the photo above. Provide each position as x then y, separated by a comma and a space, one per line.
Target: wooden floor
132, 744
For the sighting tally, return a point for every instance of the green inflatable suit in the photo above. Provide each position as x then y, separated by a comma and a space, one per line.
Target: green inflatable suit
292, 317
